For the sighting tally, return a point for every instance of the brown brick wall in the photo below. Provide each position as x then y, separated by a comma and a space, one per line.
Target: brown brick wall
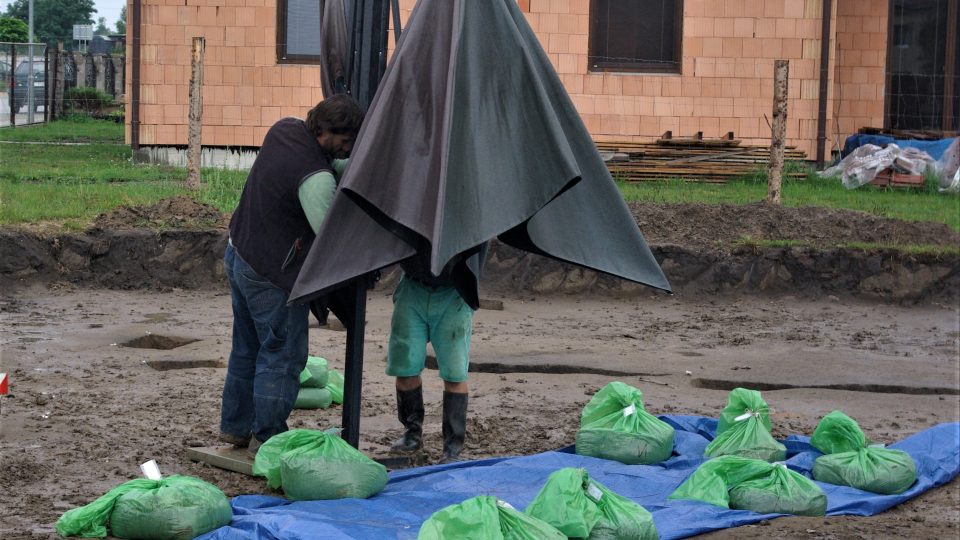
859, 77
729, 47
728, 51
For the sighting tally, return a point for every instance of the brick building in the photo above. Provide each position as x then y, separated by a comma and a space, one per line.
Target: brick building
633, 69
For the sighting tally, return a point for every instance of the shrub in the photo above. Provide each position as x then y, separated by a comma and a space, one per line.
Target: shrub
86, 99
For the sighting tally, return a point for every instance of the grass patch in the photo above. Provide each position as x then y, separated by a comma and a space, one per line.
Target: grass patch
939, 251
76, 182
74, 128
922, 204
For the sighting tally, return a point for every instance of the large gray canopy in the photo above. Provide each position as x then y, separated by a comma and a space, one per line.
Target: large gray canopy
472, 136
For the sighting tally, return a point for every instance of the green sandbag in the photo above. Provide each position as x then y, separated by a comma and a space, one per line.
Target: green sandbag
781, 492
755, 485
622, 519
485, 518
335, 385
877, 470
317, 465
744, 429
313, 398
563, 503
176, 507
582, 508
315, 374
614, 425
837, 433
739, 402
849, 461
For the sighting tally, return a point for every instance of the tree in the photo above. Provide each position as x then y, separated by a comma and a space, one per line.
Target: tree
53, 20
101, 29
13, 30
122, 21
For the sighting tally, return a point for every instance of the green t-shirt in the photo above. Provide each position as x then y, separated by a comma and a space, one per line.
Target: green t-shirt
316, 193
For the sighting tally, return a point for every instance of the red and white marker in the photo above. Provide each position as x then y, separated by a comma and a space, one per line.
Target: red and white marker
4, 385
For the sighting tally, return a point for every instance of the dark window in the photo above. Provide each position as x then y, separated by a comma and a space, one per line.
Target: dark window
298, 32
636, 35
923, 65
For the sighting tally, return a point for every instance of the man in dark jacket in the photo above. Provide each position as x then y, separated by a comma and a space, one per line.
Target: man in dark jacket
286, 195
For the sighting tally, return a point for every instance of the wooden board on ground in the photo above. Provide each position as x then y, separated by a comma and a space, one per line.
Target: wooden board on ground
487, 303
230, 458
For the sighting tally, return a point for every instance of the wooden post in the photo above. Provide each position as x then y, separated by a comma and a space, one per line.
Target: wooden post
196, 114
781, 74
59, 81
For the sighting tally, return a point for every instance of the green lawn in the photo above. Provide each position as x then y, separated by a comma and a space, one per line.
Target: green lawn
908, 205
74, 183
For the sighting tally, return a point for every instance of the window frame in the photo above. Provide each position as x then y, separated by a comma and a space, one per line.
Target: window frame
282, 56
638, 66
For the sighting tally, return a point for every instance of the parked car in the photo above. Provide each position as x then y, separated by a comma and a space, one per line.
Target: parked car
4, 74
19, 96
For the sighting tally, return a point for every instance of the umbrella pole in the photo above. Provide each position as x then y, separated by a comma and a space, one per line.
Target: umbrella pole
368, 53
353, 368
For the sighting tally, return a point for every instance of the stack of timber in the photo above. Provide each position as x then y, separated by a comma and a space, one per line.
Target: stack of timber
692, 158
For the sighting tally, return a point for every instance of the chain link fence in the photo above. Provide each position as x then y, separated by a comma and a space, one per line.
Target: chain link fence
36, 81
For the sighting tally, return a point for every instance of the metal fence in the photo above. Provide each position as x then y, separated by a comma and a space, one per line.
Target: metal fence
35, 80
23, 67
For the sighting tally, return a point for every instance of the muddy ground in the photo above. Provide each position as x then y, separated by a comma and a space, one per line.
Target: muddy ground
84, 410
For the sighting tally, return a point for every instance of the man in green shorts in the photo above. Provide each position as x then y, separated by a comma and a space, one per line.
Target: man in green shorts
429, 308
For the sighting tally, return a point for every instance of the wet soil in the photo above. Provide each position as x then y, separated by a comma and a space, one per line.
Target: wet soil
84, 410
709, 249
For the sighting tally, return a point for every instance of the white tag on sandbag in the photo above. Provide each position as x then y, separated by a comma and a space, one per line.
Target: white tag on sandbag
743, 416
632, 409
594, 492
877, 445
505, 504
150, 470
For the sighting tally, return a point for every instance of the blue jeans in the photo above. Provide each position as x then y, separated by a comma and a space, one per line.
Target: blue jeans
269, 351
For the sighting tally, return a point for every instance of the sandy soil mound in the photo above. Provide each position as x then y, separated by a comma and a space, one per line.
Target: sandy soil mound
711, 226
179, 212
692, 225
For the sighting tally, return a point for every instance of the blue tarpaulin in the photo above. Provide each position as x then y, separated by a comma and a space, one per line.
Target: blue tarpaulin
934, 148
413, 495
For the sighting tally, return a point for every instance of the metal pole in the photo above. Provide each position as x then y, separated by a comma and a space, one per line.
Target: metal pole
369, 49
30, 94
46, 84
353, 365
135, 82
13, 85
824, 81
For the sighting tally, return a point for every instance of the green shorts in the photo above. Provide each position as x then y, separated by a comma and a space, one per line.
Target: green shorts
424, 314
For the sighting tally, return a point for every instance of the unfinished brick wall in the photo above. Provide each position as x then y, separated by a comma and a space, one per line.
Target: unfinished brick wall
245, 90
726, 82
728, 50
860, 76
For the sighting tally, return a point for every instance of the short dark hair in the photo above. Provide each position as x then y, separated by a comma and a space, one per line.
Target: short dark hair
339, 114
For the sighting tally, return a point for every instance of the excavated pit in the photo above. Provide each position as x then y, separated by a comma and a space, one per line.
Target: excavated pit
720, 384
158, 342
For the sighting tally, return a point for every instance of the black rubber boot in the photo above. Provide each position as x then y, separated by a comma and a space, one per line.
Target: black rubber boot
410, 413
454, 425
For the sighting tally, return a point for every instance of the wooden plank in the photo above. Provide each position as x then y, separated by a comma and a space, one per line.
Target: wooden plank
230, 458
